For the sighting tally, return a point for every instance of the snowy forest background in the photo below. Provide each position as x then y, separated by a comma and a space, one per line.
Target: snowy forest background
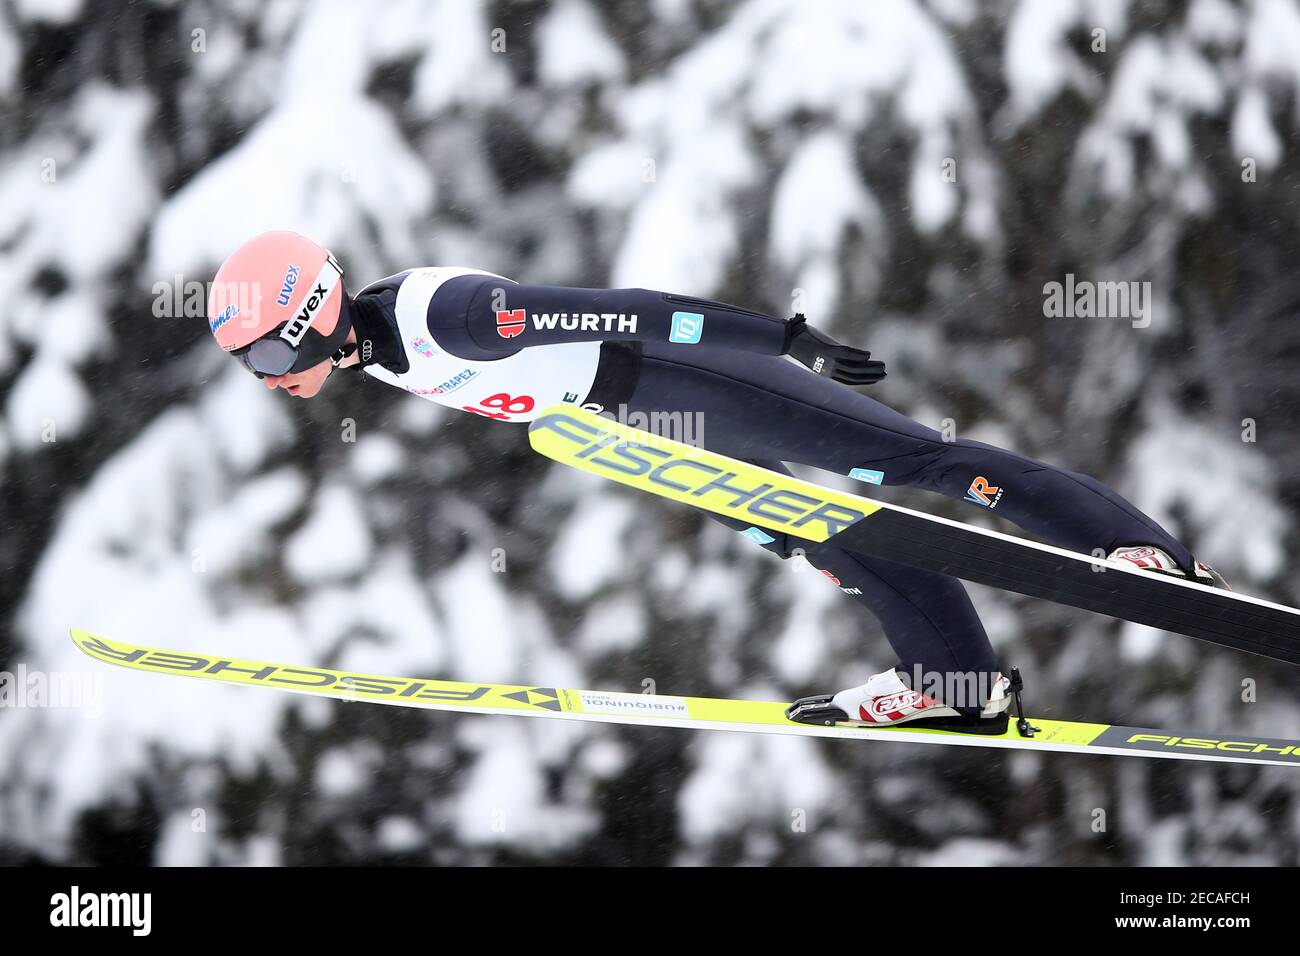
916, 171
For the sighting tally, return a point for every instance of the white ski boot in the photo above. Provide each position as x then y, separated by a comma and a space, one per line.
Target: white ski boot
886, 701
1150, 558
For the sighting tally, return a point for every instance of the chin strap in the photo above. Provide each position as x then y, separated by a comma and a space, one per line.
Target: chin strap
350, 349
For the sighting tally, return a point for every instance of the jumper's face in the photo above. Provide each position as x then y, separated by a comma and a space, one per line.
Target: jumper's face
302, 384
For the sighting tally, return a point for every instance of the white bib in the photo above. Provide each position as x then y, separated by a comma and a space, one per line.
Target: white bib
515, 388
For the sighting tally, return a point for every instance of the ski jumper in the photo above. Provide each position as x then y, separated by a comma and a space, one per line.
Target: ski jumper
486, 345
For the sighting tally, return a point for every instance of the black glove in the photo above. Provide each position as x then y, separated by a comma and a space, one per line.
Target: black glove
827, 357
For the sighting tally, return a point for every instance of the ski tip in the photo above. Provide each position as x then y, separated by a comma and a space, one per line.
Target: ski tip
81, 637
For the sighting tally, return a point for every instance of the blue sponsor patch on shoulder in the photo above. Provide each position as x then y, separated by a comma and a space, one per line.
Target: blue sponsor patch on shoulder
760, 537
869, 475
687, 328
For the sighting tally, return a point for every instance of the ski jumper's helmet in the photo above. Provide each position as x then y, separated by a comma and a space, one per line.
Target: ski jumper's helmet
277, 305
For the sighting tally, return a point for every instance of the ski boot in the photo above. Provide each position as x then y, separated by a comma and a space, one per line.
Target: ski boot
1150, 558
885, 701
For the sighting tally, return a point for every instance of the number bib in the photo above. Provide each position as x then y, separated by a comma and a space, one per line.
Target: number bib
514, 388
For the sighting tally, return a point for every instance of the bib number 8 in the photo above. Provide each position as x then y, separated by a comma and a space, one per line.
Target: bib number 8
505, 406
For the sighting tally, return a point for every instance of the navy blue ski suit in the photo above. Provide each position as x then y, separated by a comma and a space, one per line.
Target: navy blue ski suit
759, 405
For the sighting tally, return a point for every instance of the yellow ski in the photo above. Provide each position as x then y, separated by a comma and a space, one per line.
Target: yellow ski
695, 713
767, 499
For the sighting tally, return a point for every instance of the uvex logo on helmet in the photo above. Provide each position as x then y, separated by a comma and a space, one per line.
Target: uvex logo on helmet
297, 327
286, 287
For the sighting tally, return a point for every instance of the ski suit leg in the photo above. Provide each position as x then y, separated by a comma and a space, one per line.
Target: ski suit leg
769, 410
928, 618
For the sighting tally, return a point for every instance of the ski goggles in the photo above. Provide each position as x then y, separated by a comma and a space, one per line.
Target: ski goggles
295, 346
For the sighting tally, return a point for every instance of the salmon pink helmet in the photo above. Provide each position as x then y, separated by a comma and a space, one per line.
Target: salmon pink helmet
277, 304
